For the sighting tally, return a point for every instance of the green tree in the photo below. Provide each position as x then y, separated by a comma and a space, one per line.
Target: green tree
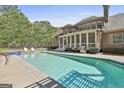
17, 31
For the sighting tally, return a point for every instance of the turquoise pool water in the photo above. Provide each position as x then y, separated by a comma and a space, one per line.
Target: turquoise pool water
86, 71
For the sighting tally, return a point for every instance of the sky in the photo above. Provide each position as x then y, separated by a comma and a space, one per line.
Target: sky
60, 15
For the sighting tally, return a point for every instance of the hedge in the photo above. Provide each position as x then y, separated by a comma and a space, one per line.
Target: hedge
114, 50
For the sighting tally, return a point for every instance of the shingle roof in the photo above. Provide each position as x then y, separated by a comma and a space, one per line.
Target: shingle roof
89, 19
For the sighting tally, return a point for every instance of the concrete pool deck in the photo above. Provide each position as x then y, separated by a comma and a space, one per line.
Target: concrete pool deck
116, 58
19, 73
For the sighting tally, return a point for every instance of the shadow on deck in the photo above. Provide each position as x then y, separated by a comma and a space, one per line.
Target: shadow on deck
46, 83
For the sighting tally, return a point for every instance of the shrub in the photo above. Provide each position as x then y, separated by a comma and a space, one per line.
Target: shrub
93, 50
1, 50
76, 50
114, 50
52, 47
69, 50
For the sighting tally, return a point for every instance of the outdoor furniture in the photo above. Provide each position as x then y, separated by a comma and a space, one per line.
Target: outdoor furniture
44, 49
5, 85
46, 83
25, 49
83, 49
32, 49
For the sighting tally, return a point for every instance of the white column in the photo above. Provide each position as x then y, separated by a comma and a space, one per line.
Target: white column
97, 39
87, 40
59, 41
80, 39
63, 42
100, 38
74, 40
96, 43
70, 41
96, 25
66, 41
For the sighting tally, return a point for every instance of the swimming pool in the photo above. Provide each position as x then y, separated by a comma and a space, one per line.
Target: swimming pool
18, 53
75, 71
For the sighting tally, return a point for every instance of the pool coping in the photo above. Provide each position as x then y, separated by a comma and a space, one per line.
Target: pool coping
116, 59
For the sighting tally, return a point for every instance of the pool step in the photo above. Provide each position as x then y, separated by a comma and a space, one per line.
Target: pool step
46, 83
74, 79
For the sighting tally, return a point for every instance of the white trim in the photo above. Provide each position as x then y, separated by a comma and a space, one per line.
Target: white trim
74, 45
70, 41
74, 40
96, 41
87, 40
59, 42
63, 43
80, 32
80, 40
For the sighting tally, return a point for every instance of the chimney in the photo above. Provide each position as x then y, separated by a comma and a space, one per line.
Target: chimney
106, 13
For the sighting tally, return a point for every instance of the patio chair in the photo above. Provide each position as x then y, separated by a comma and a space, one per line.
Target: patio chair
25, 49
6, 85
83, 49
46, 83
32, 49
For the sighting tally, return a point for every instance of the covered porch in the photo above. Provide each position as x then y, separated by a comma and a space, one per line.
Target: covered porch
88, 39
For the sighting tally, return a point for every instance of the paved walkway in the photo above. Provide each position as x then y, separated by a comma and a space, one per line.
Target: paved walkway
119, 59
19, 73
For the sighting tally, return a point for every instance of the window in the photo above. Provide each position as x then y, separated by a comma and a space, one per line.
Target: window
86, 27
68, 39
82, 28
72, 38
61, 40
83, 38
99, 25
118, 37
91, 37
109, 38
93, 26
77, 38
123, 37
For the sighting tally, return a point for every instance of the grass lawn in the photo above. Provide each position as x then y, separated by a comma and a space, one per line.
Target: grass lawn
2, 50
9, 49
